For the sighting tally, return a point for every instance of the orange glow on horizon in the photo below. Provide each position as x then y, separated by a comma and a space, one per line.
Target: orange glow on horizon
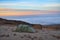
11, 12
17, 13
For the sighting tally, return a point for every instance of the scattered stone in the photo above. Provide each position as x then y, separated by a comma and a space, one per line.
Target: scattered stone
32, 38
7, 35
14, 34
22, 37
29, 36
35, 37
58, 37
2, 35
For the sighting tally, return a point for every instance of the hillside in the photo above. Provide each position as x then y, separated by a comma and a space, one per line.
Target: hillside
5, 21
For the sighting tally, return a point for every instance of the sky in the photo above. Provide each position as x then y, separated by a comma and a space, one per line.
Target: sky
29, 5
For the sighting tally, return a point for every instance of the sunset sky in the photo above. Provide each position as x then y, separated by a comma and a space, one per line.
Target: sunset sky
27, 5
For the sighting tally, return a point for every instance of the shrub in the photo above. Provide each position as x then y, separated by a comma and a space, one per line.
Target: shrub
24, 28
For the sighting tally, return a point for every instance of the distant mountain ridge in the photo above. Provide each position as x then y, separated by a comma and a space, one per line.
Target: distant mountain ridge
5, 21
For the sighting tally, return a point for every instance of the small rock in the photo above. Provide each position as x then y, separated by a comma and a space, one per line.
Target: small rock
2, 35
14, 34
22, 37
7, 35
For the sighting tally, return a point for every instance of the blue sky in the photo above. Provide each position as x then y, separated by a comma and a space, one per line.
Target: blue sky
31, 4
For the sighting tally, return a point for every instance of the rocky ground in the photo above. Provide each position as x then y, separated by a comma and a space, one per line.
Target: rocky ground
6, 33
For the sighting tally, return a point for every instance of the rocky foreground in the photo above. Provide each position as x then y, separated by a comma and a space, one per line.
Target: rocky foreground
48, 32
6, 33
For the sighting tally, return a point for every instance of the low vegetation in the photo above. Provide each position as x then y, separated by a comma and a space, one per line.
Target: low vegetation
24, 28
